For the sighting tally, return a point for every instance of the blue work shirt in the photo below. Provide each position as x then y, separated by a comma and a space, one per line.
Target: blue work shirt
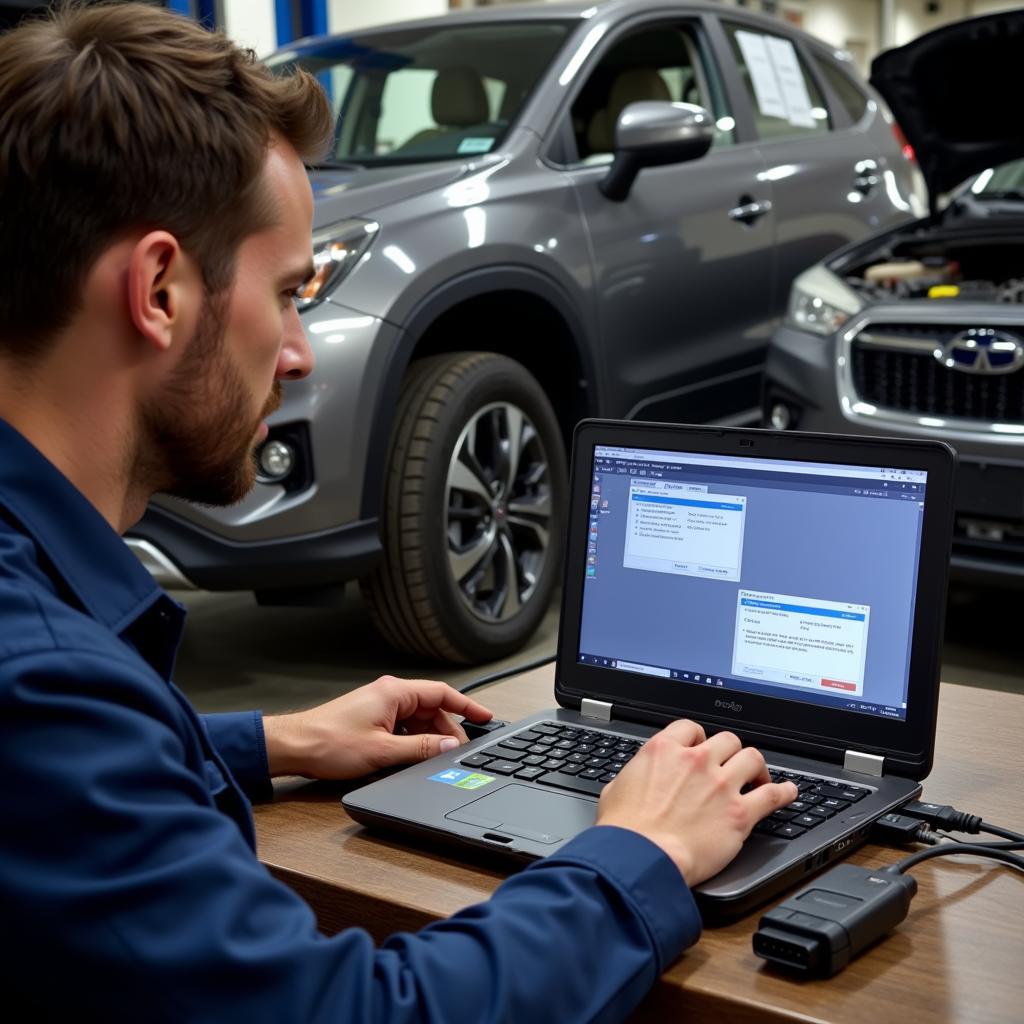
129, 881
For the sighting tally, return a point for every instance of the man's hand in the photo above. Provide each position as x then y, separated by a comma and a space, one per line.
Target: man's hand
682, 791
387, 722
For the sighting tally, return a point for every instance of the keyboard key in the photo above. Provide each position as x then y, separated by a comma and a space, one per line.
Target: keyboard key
784, 815
528, 735
789, 831
538, 748
529, 773
820, 812
534, 759
504, 752
571, 769
596, 762
573, 782
591, 773
515, 743
808, 820
609, 776
834, 805
766, 827
476, 760
546, 730
553, 764
504, 767
849, 793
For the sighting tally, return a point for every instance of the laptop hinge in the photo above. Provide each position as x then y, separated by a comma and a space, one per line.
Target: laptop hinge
600, 709
866, 764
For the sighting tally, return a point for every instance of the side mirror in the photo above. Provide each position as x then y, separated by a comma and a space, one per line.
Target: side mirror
652, 133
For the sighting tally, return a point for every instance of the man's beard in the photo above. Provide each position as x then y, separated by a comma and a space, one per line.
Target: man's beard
197, 439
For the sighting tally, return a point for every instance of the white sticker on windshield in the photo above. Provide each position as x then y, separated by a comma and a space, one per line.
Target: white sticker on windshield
475, 145
775, 74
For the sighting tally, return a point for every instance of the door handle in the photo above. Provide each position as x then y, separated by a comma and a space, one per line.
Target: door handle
865, 178
750, 210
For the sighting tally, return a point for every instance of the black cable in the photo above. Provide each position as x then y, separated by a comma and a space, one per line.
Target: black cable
951, 820
505, 673
958, 849
995, 830
932, 838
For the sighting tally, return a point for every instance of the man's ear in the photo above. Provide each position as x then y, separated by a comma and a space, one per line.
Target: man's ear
164, 289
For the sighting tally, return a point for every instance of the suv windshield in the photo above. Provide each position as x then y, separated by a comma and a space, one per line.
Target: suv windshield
429, 93
1003, 182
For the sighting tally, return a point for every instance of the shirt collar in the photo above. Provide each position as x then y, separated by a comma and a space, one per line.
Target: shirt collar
86, 553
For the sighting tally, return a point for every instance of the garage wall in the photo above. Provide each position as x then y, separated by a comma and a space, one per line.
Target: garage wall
250, 24
344, 15
853, 26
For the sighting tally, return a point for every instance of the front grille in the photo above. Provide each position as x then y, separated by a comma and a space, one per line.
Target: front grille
897, 370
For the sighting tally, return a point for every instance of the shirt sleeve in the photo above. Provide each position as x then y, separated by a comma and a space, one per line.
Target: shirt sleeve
239, 739
117, 866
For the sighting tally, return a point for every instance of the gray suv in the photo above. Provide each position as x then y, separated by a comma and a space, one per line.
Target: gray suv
530, 215
919, 331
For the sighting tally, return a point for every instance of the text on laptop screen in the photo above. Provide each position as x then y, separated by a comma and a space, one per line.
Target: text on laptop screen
786, 579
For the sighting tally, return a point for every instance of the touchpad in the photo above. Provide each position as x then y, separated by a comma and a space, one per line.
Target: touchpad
529, 813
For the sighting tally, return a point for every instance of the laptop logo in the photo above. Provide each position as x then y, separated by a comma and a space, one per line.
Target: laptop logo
729, 705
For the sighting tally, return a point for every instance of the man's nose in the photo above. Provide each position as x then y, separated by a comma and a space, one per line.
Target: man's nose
296, 359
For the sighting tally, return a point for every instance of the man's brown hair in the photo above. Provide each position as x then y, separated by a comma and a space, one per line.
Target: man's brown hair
116, 117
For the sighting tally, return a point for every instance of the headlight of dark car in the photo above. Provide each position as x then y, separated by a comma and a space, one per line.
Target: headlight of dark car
336, 250
820, 302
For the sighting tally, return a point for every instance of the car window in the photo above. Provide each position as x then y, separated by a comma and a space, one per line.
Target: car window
785, 98
851, 95
410, 95
663, 63
408, 103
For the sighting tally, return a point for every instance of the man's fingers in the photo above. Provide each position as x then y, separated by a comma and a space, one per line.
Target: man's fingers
769, 797
441, 723
423, 697
412, 748
747, 766
683, 731
723, 746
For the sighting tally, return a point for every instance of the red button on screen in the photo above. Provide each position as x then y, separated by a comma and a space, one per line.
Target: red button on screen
836, 684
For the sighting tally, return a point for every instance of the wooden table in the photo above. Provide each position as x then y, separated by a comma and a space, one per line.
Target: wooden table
958, 957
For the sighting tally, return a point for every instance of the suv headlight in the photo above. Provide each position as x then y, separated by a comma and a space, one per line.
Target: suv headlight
820, 302
336, 250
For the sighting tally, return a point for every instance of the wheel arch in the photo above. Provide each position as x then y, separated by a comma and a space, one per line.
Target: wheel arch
494, 303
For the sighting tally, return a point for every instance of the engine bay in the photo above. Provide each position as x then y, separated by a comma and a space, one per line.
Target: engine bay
973, 270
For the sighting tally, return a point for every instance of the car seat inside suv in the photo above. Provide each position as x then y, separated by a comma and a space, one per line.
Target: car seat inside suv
458, 105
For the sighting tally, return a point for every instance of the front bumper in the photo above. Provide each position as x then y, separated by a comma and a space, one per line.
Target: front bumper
211, 562
988, 544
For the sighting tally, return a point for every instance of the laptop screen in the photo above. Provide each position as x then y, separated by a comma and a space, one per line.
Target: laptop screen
788, 579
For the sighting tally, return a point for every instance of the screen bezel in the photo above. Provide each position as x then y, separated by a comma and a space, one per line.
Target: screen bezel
809, 729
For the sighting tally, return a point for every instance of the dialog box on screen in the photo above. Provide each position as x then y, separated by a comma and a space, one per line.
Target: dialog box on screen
683, 528
819, 645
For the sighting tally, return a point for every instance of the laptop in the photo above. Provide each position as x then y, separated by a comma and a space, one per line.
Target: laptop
788, 587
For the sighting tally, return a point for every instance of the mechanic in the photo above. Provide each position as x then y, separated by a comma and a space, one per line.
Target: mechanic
155, 221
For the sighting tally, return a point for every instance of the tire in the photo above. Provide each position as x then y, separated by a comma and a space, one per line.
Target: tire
472, 541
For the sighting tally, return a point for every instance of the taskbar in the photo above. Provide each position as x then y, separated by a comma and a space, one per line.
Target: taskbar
745, 685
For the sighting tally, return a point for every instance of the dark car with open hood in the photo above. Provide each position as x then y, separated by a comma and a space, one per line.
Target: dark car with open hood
919, 331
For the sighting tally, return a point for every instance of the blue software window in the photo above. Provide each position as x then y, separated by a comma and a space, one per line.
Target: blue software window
791, 579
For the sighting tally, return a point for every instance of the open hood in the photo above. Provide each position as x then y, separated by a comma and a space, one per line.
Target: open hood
956, 93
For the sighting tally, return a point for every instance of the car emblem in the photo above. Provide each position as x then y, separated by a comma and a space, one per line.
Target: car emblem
982, 350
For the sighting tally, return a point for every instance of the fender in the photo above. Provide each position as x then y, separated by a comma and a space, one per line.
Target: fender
424, 314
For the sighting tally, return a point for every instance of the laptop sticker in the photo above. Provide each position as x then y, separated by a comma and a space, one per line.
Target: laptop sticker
464, 780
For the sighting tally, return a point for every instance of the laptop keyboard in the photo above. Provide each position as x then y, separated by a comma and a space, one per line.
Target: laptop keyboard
586, 760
